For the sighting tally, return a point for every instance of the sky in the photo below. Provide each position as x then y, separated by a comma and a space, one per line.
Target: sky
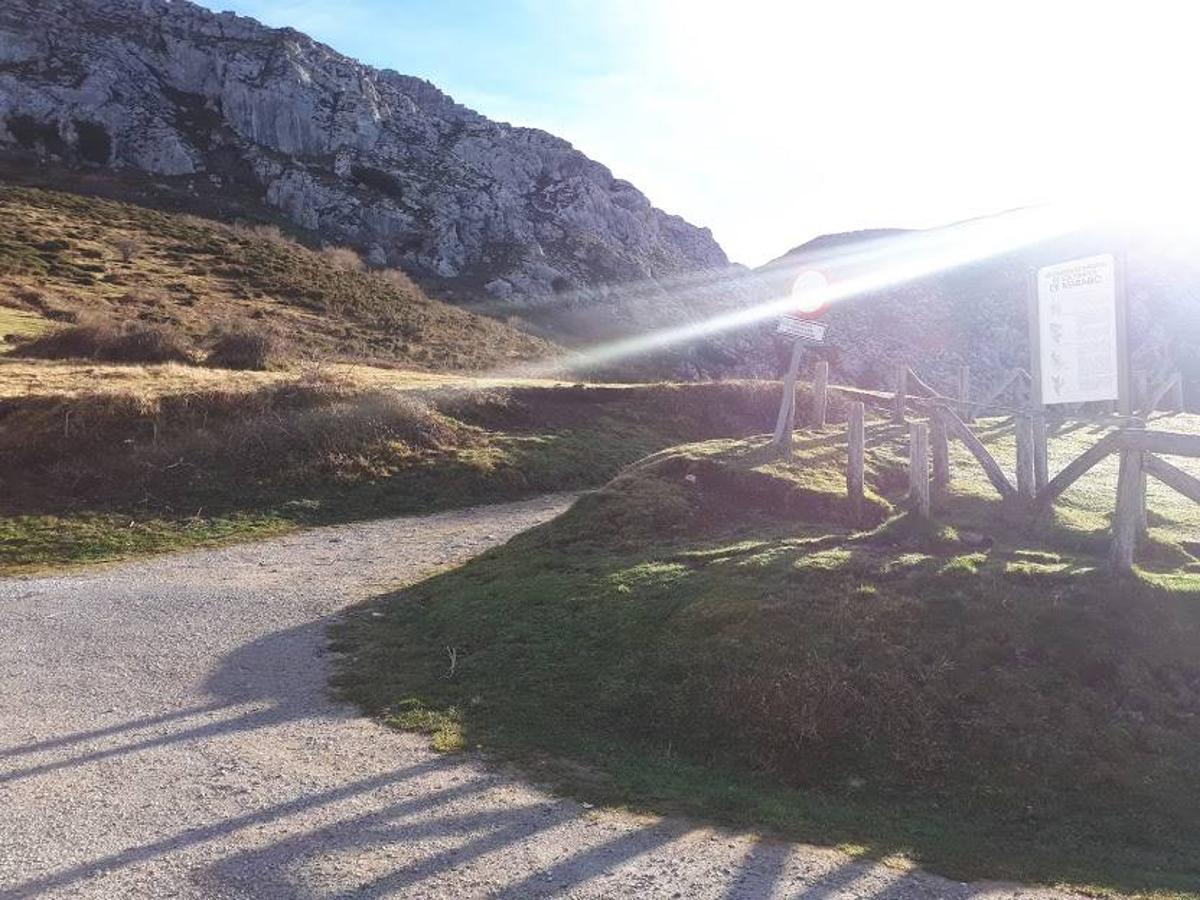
773, 122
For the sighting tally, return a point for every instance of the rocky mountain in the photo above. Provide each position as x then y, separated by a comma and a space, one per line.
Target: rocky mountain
385, 162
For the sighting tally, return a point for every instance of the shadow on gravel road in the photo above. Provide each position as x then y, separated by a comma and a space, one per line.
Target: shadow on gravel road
422, 821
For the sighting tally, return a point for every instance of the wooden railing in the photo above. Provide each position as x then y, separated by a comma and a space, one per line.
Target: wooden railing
1140, 449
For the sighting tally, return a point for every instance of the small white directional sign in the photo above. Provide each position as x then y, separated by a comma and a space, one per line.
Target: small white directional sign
1078, 335
809, 291
806, 330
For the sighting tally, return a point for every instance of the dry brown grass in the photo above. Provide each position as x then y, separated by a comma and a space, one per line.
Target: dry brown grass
74, 379
64, 256
243, 347
129, 342
114, 447
344, 258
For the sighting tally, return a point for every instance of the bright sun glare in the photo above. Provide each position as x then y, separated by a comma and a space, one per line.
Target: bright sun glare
839, 274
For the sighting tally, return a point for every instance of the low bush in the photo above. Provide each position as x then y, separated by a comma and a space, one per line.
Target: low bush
127, 248
242, 347
343, 258
134, 342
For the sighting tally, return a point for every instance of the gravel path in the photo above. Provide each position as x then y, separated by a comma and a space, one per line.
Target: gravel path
165, 731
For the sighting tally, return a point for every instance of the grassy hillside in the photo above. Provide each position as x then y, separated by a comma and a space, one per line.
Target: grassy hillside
161, 458
66, 257
709, 634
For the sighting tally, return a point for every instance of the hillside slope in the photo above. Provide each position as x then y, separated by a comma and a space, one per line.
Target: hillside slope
372, 158
64, 256
975, 314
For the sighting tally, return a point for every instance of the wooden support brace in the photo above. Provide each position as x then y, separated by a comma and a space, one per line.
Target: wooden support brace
820, 394
918, 469
856, 458
1173, 477
918, 385
995, 395
1078, 467
957, 428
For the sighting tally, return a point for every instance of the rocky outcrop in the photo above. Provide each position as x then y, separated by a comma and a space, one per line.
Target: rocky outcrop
372, 158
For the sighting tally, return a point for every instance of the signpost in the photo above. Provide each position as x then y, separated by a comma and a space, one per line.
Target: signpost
804, 330
1078, 333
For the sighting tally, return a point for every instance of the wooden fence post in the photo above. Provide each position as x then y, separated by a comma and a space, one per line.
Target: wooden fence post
787, 406
941, 460
900, 406
1141, 389
856, 457
1143, 511
1130, 499
789, 430
964, 393
1041, 462
918, 469
820, 393
1025, 463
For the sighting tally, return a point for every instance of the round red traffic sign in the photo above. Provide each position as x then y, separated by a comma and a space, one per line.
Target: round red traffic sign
810, 291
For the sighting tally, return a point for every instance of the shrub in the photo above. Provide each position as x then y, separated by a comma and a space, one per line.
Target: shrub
243, 347
399, 279
343, 258
128, 248
104, 341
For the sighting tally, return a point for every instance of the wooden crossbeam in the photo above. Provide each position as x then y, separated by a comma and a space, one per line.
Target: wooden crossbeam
1173, 477
991, 468
1078, 467
1166, 443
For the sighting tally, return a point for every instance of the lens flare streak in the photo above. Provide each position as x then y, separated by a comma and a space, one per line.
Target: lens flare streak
849, 272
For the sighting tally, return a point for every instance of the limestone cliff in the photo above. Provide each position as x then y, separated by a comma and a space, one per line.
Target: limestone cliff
372, 158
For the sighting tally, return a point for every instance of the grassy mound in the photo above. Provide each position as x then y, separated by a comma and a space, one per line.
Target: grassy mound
66, 256
99, 475
707, 633
132, 342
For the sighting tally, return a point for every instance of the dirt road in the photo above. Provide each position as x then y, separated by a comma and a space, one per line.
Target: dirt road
166, 731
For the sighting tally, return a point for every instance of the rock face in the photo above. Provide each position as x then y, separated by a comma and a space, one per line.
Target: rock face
371, 158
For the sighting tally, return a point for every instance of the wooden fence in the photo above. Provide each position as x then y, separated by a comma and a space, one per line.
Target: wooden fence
949, 417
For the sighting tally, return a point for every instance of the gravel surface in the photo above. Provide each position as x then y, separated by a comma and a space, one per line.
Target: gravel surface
165, 731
